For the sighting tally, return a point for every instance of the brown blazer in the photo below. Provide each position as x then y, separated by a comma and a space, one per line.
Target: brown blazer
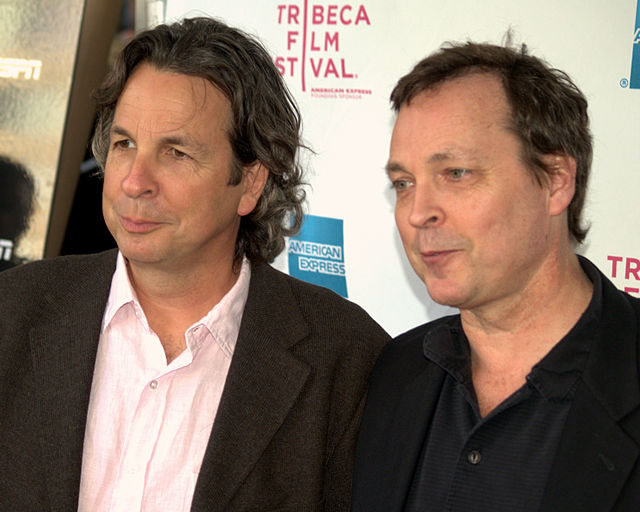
284, 435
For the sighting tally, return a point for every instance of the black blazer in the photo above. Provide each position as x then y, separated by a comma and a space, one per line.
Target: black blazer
597, 467
284, 435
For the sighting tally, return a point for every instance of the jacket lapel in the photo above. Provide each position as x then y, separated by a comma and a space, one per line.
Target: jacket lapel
404, 391
63, 349
262, 386
594, 460
596, 452
409, 424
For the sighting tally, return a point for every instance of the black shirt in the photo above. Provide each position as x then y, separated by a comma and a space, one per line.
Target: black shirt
500, 462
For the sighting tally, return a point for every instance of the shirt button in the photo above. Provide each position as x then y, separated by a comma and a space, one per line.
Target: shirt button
153, 384
474, 457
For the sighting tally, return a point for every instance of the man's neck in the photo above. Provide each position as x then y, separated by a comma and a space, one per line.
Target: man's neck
507, 341
174, 300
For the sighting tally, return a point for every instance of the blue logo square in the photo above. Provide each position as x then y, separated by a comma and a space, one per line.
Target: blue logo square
316, 253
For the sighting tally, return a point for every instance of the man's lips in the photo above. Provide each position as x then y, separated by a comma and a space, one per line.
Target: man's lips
136, 225
437, 255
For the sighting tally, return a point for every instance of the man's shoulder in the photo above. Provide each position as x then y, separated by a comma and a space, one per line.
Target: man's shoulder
633, 302
59, 267
308, 294
404, 355
55, 278
414, 337
322, 308
614, 301
307, 291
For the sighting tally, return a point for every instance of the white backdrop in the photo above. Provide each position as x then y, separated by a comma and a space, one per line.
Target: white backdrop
341, 61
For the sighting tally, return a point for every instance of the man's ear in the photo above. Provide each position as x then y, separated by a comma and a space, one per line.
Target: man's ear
561, 180
254, 178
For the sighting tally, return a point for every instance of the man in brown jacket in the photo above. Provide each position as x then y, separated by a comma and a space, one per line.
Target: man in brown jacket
182, 372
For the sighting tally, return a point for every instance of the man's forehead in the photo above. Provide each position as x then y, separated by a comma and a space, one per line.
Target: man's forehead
155, 90
474, 89
458, 121
165, 104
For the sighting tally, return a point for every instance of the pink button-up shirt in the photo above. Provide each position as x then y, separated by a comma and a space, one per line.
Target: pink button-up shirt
149, 422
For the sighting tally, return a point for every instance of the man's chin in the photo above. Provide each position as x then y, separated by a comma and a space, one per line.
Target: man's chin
445, 294
140, 255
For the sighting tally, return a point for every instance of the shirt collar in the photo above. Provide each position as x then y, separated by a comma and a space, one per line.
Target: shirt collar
121, 293
557, 372
222, 321
447, 346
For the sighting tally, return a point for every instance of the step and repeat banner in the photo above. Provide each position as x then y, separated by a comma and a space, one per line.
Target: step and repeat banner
341, 59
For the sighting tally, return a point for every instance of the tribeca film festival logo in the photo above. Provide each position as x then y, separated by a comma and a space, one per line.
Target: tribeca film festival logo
633, 82
316, 253
627, 268
314, 51
27, 69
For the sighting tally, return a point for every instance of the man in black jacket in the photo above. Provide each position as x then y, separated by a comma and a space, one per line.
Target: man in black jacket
529, 399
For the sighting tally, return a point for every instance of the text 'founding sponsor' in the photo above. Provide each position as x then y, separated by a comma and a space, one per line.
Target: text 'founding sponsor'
315, 257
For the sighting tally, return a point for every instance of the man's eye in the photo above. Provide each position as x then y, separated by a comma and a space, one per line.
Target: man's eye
457, 174
123, 144
178, 154
399, 185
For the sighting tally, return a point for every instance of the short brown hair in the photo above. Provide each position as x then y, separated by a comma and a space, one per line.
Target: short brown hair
548, 111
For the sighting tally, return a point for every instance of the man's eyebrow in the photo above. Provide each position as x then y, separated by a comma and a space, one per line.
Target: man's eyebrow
393, 167
469, 155
119, 130
440, 157
434, 158
178, 140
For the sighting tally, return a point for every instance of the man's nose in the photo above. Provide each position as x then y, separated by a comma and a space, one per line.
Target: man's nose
426, 210
140, 180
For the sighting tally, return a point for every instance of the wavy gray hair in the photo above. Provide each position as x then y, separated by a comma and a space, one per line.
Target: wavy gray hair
266, 121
